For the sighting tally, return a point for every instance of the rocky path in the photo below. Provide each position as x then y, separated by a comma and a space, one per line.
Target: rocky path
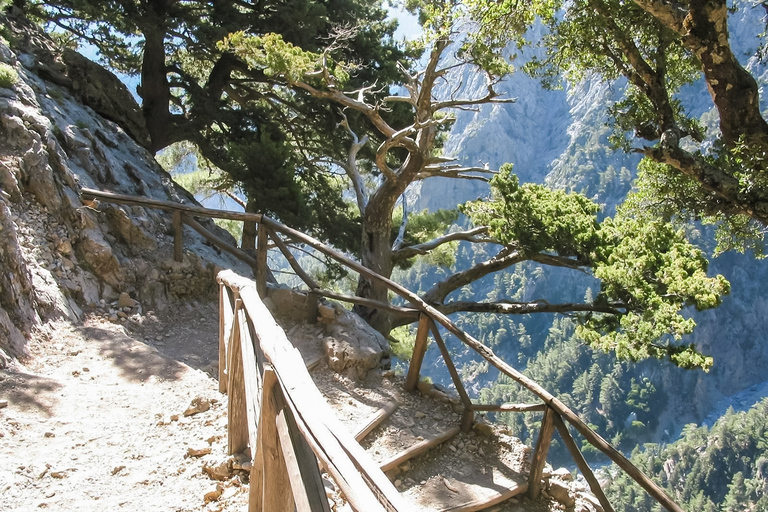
97, 422
124, 414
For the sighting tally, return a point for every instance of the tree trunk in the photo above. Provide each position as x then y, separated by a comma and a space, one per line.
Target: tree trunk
248, 243
733, 89
155, 90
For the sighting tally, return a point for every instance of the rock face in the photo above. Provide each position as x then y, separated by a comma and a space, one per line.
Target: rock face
57, 254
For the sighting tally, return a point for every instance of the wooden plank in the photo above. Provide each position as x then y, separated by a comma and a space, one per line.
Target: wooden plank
178, 237
261, 261
468, 418
417, 449
225, 324
251, 381
292, 262
581, 463
509, 407
277, 486
237, 414
419, 349
303, 473
376, 419
219, 242
110, 197
485, 503
540, 454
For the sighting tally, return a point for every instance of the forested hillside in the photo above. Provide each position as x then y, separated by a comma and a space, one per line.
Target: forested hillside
719, 469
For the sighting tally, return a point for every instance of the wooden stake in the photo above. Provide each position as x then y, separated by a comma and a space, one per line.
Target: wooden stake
468, 417
261, 261
419, 349
540, 454
237, 413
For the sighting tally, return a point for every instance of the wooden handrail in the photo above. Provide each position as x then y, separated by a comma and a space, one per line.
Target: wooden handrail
425, 309
357, 475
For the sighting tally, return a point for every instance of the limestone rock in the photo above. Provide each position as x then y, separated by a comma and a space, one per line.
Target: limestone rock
559, 491
125, 301
199, 404
352, 347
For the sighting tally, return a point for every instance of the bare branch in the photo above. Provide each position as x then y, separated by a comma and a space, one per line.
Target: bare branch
491, 97
524, 308
507, 257
351, 164
431, 171
414, 250
401, 232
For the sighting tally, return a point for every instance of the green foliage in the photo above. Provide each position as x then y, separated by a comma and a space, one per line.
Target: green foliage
721, 469
649, 273
8, 76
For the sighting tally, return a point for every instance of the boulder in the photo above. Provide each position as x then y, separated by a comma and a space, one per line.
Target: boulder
353, 347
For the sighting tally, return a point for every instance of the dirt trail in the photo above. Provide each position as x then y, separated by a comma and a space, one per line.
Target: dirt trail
96, 421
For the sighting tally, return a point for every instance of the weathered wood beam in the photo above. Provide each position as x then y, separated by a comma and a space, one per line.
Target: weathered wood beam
111, 197
375, 420
303, 473
540, 454
509, 407
278, 496
469, 416
237, 414
218, 242
417, 449
419, 350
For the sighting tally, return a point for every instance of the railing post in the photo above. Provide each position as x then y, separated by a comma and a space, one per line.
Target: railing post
178, 234
237, 412
540, 454
419, 349
261, 261
226, 314
277, 486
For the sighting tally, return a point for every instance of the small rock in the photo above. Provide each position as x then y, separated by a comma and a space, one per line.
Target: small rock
563, 474
199, 404
174, 417
219, 472
125, 301
49, 434
483, 429
3, 404
198, 452
424, 387
325, 314
215, 494
58, 474
419, 415
559, 492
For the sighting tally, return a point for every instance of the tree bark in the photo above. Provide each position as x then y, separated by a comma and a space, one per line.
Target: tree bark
155, 90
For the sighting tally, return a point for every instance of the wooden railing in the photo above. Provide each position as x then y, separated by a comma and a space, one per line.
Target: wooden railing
277, 411
555, 416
